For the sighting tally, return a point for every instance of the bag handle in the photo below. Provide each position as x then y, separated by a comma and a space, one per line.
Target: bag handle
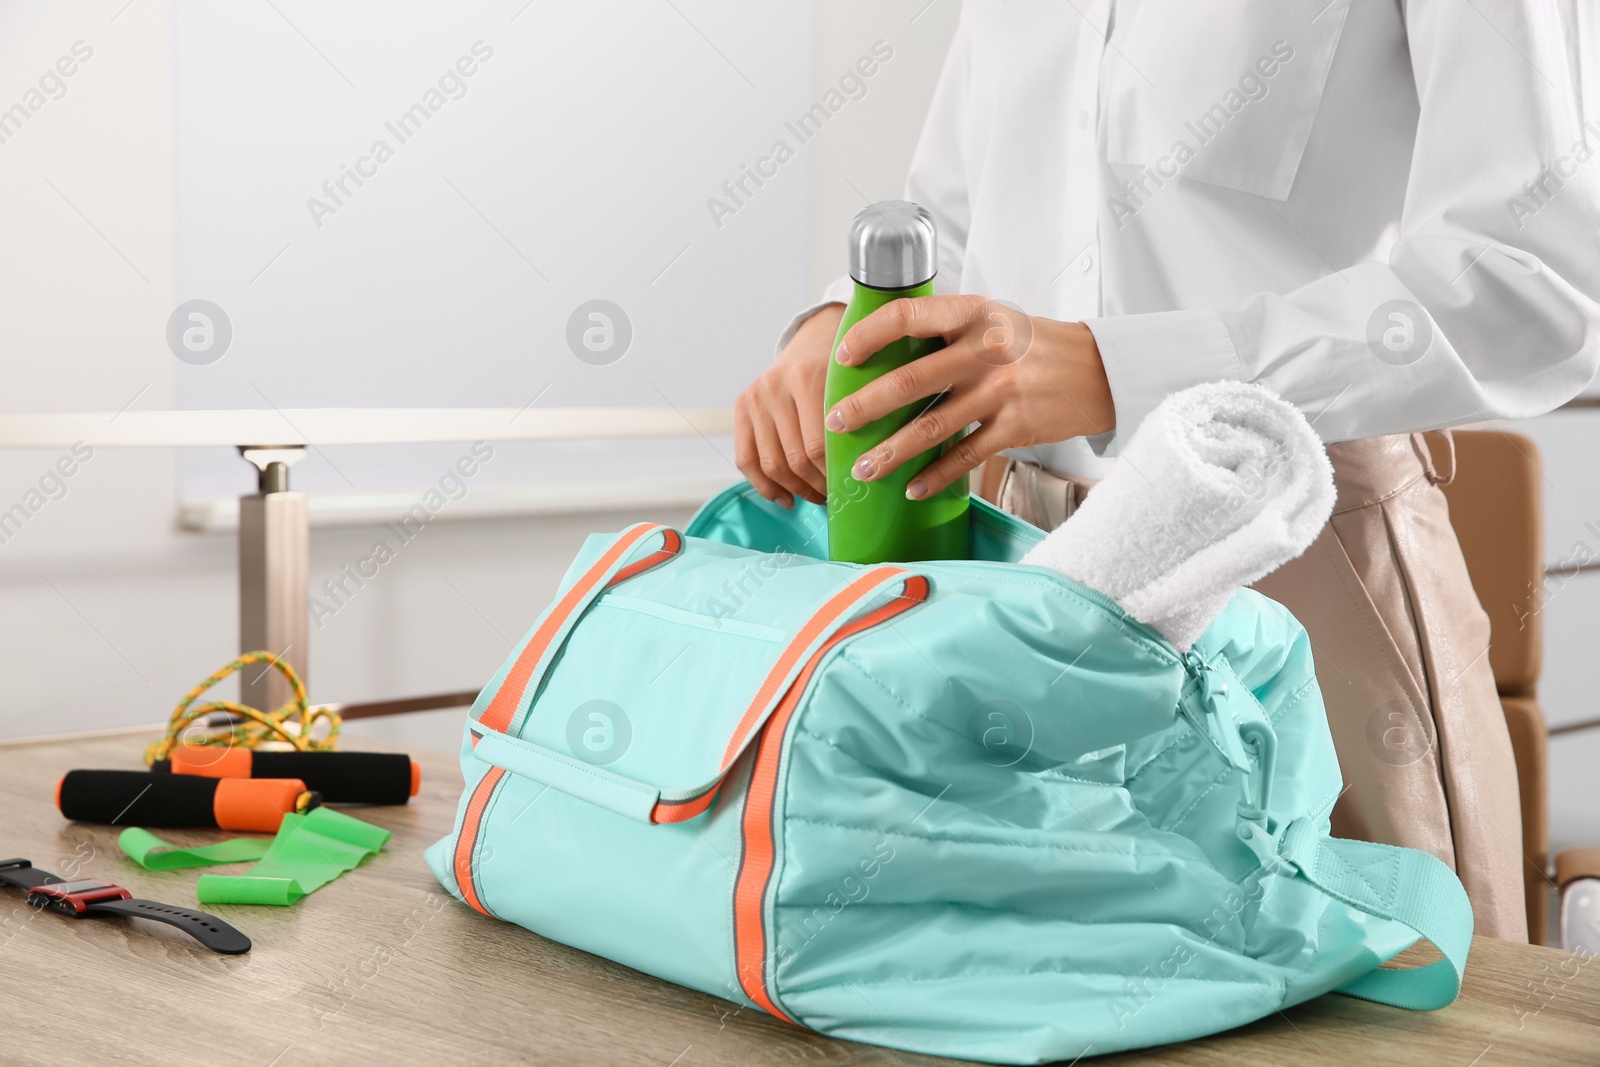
1403, 884
840, 616
597, 785
537, 653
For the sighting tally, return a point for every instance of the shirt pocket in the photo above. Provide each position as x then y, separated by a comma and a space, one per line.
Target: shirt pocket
1223, 92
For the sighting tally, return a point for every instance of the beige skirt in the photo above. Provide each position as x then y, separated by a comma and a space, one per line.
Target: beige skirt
1401, 646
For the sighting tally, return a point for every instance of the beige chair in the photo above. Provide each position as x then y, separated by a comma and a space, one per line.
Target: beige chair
1497, 507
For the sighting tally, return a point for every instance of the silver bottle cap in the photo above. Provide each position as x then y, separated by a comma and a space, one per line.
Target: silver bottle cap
893, 245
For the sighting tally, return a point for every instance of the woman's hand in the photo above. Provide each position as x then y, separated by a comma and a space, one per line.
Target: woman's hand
1024, 380
777, 422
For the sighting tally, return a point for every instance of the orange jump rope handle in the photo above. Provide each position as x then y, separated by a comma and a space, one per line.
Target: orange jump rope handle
142, 798
341, 777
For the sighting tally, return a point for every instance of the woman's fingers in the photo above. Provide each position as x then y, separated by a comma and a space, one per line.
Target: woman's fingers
973, 379
808, 410
937, 423
918, 316
982, 376
794, 450
774, 460
965, 455
807, 399
747, 456
920, 379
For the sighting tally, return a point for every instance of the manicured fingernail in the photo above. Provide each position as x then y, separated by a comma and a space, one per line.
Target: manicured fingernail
863, 469
785, 502
841, 355
834, 421
917, 490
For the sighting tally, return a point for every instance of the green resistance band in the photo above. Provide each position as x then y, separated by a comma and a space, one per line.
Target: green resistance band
310, 851
154, 854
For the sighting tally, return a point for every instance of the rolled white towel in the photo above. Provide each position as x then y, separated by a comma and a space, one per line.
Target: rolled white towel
1220, 485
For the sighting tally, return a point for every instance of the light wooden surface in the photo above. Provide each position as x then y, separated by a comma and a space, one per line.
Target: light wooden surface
382, 967
352, 426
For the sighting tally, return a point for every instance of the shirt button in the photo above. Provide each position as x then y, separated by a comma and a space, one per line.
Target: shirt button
1086, 263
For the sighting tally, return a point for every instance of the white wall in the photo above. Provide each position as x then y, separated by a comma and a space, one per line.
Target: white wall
405, 206
86, 273
865, 151
111, 611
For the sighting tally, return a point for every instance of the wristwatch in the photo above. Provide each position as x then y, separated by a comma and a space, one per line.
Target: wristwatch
88, 897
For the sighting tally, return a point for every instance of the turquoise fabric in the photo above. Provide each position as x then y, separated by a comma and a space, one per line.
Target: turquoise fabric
1011, 824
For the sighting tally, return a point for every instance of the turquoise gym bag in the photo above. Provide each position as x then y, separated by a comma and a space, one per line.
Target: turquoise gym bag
963, 808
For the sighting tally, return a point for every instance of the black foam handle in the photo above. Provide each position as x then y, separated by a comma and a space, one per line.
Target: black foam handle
138, 798
341, 777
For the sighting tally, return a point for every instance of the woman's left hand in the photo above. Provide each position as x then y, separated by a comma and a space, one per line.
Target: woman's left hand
1025, 380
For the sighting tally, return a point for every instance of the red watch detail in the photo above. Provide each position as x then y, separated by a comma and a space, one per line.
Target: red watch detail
75, 896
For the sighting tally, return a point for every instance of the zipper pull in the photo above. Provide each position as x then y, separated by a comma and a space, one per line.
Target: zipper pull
1250, 747
1214, 722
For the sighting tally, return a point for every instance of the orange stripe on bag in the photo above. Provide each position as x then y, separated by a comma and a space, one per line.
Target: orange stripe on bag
466, 878
503, 706
684, 810
497, 716
825, 617
759, 853
670, 543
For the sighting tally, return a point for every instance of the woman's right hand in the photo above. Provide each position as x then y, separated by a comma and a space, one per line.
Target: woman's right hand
777, 421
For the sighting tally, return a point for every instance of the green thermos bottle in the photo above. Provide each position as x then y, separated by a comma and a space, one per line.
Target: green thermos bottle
893, 253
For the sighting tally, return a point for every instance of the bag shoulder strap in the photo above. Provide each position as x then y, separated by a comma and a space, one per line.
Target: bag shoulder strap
1402, 884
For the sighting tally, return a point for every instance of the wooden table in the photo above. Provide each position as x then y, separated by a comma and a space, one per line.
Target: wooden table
382, 967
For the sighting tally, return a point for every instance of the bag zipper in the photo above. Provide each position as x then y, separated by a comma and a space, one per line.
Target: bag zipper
1249, 747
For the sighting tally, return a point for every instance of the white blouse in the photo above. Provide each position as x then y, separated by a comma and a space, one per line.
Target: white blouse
1387, 211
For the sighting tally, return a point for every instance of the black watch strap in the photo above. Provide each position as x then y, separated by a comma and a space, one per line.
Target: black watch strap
22, 874
209, 930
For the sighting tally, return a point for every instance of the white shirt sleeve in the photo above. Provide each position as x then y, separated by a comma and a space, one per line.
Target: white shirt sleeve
1486, 304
